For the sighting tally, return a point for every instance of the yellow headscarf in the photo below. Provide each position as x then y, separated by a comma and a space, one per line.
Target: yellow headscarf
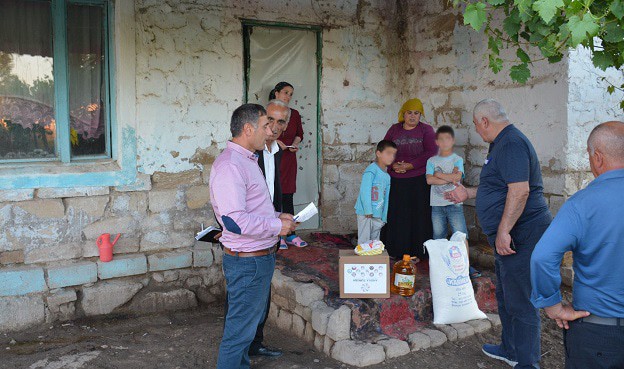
412, 104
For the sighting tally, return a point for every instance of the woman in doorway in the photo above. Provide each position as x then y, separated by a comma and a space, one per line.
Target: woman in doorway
289, 142
409, 213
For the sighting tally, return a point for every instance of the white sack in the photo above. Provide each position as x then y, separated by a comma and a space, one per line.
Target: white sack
453, 296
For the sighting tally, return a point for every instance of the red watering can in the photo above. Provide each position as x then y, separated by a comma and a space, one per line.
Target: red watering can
106, 247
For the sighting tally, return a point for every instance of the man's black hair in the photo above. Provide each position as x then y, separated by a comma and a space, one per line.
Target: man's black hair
246, 113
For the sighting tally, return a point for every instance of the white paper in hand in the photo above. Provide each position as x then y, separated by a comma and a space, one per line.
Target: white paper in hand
306, 213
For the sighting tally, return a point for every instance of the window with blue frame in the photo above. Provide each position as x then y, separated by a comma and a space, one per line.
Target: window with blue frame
55, 84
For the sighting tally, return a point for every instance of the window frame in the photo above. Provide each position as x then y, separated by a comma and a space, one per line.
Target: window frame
60, 73
121, 169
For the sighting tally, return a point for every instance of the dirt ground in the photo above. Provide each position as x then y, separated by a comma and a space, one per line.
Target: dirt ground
190, 339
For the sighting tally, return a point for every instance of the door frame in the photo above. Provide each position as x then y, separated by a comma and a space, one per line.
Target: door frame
247, 25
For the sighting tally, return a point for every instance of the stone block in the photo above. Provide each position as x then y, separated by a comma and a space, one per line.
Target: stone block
358, 353
307, 293
61, 297
171, 276
143, 182
133, 203
339, 324
555, 203
450, 332
197, 197
21, 281
298, 325
394, 348
103, 298
162, 200
419, 341
437, 338
170, 260
52, 208
330, 174
16, 195
479, 325
92, 206
304, 311
284, 320
202, 258
12, 257
55, 193
217, 252
115, 225
320, 317
273, 313
463, 330
567, 275
319, 342
122, 266
153, 302
53, 252
327, 345
162, 180
21, 312
280, 301
74, 274
308, 334
494, 319
160, 240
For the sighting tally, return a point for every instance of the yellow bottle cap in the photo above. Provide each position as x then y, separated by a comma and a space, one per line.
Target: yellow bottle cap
407, 258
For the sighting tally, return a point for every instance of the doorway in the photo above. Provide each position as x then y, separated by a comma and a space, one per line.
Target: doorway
291, 53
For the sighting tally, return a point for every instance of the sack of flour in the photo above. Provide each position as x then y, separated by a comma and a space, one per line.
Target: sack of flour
453, 296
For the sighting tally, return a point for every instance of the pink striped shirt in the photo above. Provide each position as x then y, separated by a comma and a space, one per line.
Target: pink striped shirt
241, 201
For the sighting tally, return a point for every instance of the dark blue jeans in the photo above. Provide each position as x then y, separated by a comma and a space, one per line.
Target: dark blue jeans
595, 346
248, 284
520, 320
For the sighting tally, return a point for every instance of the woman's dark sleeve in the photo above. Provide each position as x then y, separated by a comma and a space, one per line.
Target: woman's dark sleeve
299, 127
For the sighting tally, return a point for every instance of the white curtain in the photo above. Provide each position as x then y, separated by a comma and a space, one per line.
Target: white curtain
281, 54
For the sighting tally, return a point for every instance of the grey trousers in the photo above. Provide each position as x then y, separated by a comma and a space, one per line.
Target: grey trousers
368, 228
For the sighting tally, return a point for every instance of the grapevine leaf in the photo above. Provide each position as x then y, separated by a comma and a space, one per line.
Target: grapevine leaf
547, 8
520, 73
475, 15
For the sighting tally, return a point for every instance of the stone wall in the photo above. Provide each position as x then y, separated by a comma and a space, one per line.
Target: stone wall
49, 269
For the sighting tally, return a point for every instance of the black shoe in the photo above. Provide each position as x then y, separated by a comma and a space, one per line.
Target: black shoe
266, 351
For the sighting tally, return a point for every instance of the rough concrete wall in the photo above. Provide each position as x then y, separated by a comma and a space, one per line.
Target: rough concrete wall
589, 104
190, 78
450, 74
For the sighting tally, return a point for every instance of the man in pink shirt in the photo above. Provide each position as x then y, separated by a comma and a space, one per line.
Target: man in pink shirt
242, 204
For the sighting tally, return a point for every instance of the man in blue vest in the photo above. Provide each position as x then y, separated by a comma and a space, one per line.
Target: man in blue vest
513, 214
591, 225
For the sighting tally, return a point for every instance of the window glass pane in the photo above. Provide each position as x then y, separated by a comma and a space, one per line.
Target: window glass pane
27, 124
87, 93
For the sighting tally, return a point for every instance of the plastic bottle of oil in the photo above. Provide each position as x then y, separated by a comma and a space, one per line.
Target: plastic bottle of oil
403, 277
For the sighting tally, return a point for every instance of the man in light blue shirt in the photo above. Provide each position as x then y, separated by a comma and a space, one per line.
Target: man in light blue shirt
591, 225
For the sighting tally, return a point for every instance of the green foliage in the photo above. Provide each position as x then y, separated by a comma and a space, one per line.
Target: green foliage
552, 27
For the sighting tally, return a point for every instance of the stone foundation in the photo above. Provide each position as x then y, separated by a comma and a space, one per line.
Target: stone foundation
135, 284
305, 301
299, 308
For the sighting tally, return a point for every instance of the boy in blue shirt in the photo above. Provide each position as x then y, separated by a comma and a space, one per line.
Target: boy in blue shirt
443, 171
371, 206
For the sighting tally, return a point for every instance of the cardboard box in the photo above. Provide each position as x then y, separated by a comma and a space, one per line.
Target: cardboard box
364, 276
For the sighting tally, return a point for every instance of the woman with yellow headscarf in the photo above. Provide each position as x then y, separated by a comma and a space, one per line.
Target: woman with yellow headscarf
409, 213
